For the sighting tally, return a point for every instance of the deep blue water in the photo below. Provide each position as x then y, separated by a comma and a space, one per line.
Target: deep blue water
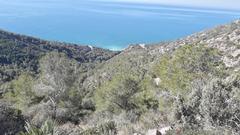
104, 24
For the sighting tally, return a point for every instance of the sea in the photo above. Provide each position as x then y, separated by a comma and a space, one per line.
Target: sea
110, 25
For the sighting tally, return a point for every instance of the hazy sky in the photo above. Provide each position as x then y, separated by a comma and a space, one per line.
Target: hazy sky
224, 4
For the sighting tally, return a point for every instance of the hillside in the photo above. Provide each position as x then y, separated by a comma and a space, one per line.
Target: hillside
138, 59
22, 53
188, 86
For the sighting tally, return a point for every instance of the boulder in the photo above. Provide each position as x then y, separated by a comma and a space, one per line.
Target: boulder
153, 132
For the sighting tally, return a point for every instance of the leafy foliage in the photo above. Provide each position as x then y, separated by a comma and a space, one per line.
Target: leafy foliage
58, 73
48, 128
125, 93
187, 63
59, 80
19, 53
216, 105
108, 128
11, 120
117, 94
21, 91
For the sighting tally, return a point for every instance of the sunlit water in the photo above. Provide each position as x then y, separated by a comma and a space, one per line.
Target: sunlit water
104, 24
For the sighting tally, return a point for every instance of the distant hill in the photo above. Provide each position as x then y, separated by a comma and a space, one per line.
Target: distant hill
19, 52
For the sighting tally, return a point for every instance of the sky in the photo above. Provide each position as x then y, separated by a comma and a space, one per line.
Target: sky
219, 4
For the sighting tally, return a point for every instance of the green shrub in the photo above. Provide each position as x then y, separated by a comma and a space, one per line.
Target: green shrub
178, 69
60, 80
146, 99
108, 128
186, 131
48, 128
126, 93
58, 74
21, 91
12, 120
216, 105
117, 94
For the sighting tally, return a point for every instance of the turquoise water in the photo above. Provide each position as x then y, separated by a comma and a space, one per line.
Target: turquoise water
105, 24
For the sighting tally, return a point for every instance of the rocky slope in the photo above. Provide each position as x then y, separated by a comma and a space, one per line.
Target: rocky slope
139, 58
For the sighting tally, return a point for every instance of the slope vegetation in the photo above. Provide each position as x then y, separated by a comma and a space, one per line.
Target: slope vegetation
188, 86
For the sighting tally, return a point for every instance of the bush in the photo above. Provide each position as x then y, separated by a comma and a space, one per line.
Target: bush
220, 104
147, 99
126, 93
117, 94
48, 128
11, 120
21, 92
186, 131
214, 106
58, 74
187, 63
108, 128
59, 81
